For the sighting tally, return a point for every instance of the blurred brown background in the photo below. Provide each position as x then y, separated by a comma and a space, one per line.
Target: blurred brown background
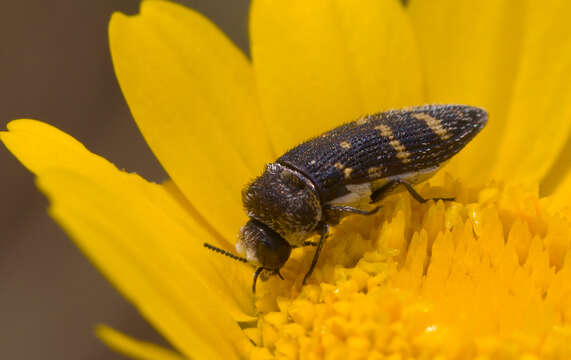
55, 66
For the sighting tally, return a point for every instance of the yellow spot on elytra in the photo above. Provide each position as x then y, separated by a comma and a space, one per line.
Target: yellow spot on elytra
345, 145
397, 146
347, 172
434, 124
387, 132
362, 120
375, 172
339, 166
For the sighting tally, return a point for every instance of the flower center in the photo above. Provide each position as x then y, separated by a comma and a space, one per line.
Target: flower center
485, 275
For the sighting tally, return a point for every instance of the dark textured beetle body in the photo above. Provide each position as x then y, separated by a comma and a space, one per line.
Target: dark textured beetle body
319, 181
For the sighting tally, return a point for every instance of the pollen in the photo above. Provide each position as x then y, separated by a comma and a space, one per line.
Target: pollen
486, 276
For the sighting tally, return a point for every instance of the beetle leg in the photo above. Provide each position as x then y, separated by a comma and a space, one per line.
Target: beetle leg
334, 213
416, 195
306, 243
381, 192
310, 243
378, 194
256, 274
352, 210
324, 234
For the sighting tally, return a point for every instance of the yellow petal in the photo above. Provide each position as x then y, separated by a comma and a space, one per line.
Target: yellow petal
470, 52
134, 244
133, 348
559, 172
539, 121
322, 63
41, 147
191, 92
562, 194
136, 232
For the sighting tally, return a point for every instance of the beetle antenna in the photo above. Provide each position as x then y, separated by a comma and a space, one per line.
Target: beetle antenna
256, 274
224, 252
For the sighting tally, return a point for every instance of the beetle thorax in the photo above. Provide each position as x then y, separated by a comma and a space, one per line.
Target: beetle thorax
286, 201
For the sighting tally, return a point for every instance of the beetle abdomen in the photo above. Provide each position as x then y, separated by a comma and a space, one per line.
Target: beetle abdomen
384, 145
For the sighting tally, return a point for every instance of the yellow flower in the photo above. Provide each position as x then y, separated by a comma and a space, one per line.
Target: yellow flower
486, 276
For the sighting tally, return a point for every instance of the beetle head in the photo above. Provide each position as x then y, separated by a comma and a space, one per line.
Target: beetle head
262, 246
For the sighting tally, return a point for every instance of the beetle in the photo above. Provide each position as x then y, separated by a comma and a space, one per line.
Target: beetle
341, 172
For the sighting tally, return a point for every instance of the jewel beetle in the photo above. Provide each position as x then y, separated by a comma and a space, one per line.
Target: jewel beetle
342, 172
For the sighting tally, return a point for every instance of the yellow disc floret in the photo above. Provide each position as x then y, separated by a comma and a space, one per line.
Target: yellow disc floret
485, 276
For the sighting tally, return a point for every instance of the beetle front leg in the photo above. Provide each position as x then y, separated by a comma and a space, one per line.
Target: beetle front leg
351, 210
324, 234
332, 214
